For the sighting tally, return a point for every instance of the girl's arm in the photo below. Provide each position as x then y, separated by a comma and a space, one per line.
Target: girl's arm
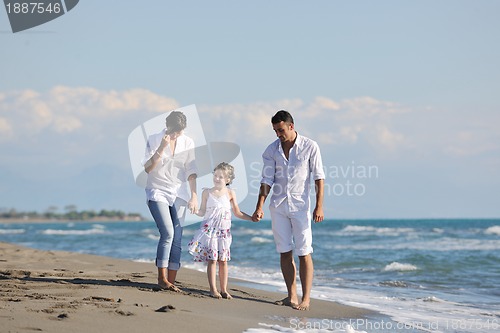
236, 209
203, 206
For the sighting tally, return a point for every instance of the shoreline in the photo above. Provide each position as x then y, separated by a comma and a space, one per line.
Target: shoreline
58, 291
93, 220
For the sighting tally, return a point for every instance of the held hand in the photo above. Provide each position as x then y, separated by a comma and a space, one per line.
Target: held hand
257, 215
193, 205
318, 214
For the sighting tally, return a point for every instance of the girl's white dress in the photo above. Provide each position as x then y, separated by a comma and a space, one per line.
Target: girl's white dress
212, 240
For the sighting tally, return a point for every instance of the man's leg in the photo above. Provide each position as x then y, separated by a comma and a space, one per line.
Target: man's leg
289, 272
302, 235
306, 272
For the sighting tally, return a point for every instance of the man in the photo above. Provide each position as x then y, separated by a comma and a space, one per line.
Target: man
289, 164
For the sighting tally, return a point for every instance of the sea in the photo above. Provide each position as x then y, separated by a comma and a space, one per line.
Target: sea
419, 275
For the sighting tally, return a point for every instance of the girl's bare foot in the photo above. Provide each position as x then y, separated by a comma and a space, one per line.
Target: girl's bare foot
215, 294
226, 295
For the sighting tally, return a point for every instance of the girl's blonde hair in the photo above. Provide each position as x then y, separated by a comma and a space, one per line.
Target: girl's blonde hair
228, 169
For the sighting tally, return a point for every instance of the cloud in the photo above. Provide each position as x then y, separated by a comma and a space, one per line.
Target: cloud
5, 129
67, 124
388, 138
110, 103
64, 110
363, 120
93, 117
365, 123
90, 111
244, 122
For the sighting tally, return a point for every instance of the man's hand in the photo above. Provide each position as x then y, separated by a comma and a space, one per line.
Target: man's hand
257, 215
318, 214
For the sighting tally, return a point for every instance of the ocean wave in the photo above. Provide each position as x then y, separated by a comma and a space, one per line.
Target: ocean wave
143, 260
300, 325
153, 237
357, 229
252, 232
432, 299
397, 284
442, 245
261, 240
73, 232
399, 267
494, 230
12, 231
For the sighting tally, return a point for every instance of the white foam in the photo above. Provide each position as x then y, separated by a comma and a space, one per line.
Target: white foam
495, 230
441, 244
422, 312
261, 240
252, 232
153, 237
73, 232
297, 325
12, 231
356, 229
144, 260
398, 267
427, 313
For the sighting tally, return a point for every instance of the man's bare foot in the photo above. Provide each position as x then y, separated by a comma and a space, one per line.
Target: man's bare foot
304, 306
226, 295
286, 302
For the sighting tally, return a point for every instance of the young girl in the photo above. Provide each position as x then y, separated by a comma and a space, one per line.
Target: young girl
212, 241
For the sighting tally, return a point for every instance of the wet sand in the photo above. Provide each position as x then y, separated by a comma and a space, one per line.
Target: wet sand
54, 291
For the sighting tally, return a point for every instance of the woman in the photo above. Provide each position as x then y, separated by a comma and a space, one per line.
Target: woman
169, 163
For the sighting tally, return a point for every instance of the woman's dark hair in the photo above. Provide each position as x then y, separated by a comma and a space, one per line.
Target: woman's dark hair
176, 122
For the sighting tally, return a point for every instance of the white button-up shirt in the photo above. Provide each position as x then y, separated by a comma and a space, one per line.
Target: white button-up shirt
290, 178
169, 179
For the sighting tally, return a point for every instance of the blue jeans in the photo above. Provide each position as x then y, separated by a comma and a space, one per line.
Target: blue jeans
168, 253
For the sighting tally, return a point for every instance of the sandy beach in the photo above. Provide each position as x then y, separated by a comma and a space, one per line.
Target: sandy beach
53, 291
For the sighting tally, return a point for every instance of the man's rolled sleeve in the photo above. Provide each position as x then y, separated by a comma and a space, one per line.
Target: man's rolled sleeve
269, 168
316, 164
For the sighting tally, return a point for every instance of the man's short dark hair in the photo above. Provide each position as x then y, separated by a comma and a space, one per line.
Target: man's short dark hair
176, 122
280, 116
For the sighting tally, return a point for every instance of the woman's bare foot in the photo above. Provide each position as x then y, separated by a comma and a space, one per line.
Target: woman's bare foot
169, 286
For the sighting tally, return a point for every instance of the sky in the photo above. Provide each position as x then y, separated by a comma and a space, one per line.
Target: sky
402, 98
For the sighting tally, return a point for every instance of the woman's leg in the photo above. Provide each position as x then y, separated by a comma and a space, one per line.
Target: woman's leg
223, 275
161, 214
175, 252
212, 273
